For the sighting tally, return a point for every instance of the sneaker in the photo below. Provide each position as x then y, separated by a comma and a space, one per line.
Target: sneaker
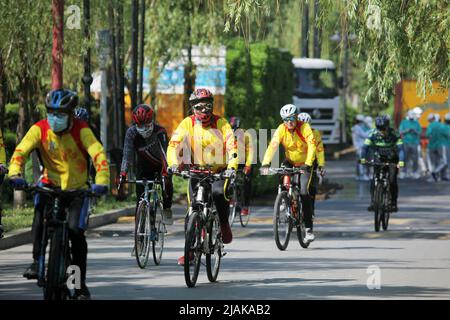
83, 293
309, 237
371, 208
244, 211
168, 218
434, 175
227, 235
180, 260
32, 271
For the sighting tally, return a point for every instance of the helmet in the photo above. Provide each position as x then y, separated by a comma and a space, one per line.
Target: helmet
410, 115
81, 113
235, 122
304, 117
62, 100
201, 95
437, 117
369, 121
288, 110
142, 114
418, 111
359, 117
382, 122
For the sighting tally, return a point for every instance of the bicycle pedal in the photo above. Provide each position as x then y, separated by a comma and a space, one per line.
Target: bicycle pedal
224, 254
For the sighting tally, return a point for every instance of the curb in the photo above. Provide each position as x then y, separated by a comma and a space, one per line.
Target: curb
23, 236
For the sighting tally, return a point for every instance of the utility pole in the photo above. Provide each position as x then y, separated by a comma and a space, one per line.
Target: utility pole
58, 39
87, 78
345, 86
141, 53
305, 30
112, 50
134, 50
317, 31
120, 82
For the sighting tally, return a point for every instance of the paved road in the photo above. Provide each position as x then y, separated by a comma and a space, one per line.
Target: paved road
413, 256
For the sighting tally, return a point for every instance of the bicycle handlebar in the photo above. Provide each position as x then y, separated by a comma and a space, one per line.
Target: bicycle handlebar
58, 192
379, 164
284, 171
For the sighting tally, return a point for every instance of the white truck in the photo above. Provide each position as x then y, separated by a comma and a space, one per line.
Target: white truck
316, 92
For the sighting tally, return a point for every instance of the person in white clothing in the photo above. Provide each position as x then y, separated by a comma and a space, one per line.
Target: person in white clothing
359, 134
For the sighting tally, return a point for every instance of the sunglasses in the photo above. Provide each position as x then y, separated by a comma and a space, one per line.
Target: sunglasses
292, 119
203, 106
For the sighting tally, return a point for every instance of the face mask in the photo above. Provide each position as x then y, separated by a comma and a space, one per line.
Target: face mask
58, 121
145, 131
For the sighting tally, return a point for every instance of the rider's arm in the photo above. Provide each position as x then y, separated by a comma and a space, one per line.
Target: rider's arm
400, 149
231, 146
2, 150
320, 150
307, 133
128, 149
29, 142
249, 149
175, 142
97, 153
365, 148
273, 146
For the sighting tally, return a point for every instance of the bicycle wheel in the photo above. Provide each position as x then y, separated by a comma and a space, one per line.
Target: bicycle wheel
192, 250
282, 223
158, 232
234, 209
301, 230
242, 218
215, 249
378, 206
386, 211
55, 285
142, 234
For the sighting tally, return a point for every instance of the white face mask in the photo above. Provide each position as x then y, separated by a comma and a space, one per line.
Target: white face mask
145, 131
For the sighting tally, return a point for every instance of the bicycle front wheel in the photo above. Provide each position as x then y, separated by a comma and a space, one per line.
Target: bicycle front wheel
142, 230
282, 223
378, 206
233, 208
301, 230
215, 249
386, 211
192, 249
158, 234
55, 285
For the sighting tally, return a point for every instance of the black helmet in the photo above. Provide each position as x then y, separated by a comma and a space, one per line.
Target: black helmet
61, 100
382, 122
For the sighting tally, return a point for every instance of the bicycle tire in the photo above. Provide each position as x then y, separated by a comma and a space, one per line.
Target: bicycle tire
301, 230
213, 258
243, 219
233, 207
160, 229
282, 242
386, 211
192, 247
378, 206
142, 234
55, 286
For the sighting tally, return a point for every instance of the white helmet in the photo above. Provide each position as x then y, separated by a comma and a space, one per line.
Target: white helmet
369, 121
418, 111
288, 110
447, 117
410, 115
431, 117
437, 117
304, 117
359, 117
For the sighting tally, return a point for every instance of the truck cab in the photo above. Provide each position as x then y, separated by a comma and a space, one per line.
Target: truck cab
316, 93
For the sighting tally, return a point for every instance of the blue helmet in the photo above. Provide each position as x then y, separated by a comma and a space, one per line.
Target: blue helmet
62, 100
382, 122
81, 113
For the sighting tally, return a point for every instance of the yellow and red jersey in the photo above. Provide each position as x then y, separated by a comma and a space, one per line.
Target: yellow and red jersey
2, 150
320, 150
212, 145
64, 156
245, 147
299, 144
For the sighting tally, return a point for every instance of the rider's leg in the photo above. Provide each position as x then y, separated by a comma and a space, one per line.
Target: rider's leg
393, 172
221, 200
305, 184
372, 189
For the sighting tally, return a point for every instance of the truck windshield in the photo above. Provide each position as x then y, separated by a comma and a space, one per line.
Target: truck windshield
315, 83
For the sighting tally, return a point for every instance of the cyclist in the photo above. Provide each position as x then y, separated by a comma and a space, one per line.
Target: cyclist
62, 143
410, 131
359, 134
319, 161
3, 171
149, 141
437, 136
245, 140
387, 146
194, 137
300, 149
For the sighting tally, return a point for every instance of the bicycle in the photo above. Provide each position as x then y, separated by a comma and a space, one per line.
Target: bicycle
203, 235
53, 275
236, 203
382, 193
288, 212
149, 225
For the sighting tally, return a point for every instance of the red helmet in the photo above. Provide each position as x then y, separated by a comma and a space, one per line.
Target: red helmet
142, 114
201, 95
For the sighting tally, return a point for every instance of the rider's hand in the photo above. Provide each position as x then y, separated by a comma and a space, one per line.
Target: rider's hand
99, 189
362, 161
400, 164
264, 170
18, 183
306, 168
172, 169
247, 170
321, 171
